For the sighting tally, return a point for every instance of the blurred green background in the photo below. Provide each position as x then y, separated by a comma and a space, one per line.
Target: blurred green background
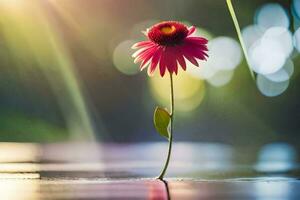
66, 74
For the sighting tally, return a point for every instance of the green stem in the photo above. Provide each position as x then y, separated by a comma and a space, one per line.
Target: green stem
291, 16
162, 173
239, 33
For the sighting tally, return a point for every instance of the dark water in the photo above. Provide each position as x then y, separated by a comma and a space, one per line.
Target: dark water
111, 171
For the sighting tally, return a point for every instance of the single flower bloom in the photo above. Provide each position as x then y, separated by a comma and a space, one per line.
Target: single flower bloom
169, 44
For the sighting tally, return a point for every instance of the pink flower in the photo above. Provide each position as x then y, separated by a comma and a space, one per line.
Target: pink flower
169, 44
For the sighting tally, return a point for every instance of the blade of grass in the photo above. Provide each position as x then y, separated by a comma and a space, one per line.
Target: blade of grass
238, 30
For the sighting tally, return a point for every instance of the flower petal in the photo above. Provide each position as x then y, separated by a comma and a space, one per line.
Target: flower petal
192, 29
181, 60
154, 61
163, 63
176, 68
191, 58
201, 55
146, 62
141, 44
171, 59
143, 55
190, 51
142, 50
199, 40
196, 45
147, 58
195, 52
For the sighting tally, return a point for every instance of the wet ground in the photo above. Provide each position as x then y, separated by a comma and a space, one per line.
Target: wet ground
115, 171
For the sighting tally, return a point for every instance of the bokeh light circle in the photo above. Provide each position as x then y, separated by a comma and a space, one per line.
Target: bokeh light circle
224, 56
283, 74
122, 58
266, 56
276, 157
271, 15
189, 91
296, 39
296, 8
221, 78
251, 34
204, 71
283, 36
270, 88
225, 53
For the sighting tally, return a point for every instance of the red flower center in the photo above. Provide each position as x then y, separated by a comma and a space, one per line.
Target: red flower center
168, 33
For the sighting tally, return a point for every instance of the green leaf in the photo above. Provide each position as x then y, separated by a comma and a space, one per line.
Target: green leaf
161, 121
